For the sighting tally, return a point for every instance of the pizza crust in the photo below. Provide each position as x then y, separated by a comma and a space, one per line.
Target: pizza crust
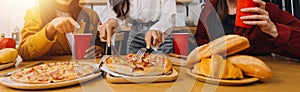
52, 73
156, 65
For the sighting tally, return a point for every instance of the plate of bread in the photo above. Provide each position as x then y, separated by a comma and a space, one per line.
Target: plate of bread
7, 65
8, 57
217, 63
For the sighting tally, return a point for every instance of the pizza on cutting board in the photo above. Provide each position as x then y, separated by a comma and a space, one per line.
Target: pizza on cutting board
149, 64
53, 73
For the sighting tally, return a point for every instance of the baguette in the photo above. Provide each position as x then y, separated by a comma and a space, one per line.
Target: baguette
226, 45
251, 66
217, 67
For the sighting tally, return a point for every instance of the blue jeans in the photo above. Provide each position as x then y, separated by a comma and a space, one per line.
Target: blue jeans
136, 39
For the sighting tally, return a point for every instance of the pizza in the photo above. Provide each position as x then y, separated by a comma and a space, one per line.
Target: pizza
53, 72
149, 64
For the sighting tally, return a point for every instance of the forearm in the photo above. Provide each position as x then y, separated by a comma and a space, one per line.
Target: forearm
108, 14
201, 35
34, 45
288, 38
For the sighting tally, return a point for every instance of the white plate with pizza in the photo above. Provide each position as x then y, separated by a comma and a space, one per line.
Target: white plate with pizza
51, 75
7, 65
150, 65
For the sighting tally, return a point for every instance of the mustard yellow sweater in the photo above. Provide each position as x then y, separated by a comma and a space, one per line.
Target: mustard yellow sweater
34, 42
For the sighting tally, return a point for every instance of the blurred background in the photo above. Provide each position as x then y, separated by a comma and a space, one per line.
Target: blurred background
13, 11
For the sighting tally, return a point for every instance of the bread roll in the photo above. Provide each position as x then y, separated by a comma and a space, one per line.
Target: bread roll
217, 67
251, 66
228, 44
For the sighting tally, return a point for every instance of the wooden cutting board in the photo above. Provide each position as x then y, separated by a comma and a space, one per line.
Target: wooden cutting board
143, 79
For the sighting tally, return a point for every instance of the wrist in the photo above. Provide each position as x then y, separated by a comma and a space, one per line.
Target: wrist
273, 30
270, 29
50, 32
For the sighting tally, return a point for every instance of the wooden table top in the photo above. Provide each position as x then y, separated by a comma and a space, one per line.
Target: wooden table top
285, 79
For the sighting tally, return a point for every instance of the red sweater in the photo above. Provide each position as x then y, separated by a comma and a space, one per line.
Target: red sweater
287, 43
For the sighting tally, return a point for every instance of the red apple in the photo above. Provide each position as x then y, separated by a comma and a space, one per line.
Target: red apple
7, 42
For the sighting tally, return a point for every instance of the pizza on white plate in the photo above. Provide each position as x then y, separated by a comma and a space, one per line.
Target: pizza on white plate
149, 64
53, 72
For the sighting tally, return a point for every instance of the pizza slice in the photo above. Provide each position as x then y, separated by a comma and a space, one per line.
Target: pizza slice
150, 64
52, 73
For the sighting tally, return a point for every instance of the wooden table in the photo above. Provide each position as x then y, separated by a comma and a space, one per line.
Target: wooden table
285, 79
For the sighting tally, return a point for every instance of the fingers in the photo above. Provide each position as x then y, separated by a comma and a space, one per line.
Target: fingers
59, 28
260, 23
159, 35
92, 48
69, 28
261, 3
255, 10
73, 22
254, 17
155, 38
65, 28
93, 51
109, 35
92, 55
64, 24
148, 39
107, 30
102, 31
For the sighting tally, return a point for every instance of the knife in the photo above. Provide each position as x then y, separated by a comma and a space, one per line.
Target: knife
12, 72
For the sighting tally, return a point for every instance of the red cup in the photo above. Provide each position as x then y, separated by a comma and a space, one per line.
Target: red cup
181, 43
240, 5
82, 42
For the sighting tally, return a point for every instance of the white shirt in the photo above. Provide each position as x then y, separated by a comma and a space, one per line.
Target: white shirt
160, 11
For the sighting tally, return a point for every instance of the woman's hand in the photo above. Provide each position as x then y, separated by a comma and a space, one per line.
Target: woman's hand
107, 30
261, 18
62, 25
153, 38
94, 51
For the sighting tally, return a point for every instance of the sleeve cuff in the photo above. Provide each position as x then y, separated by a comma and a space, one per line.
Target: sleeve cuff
41, 42
284, 33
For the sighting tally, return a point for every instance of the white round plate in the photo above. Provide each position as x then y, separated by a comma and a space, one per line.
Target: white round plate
221, 81
8, 65
6, 81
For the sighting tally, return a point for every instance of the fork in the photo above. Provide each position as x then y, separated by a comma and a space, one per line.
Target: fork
140, 54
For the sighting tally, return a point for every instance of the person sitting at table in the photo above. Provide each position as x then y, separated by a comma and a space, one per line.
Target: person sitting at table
152, 22
46, 25
273, 30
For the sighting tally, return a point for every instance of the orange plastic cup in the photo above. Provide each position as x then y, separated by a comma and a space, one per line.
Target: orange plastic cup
82, 43
181, 43
240, 5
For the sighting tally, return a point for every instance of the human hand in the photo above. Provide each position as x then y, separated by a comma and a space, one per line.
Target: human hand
107, 30
153, 38
94, 51
261, 18
62, 25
